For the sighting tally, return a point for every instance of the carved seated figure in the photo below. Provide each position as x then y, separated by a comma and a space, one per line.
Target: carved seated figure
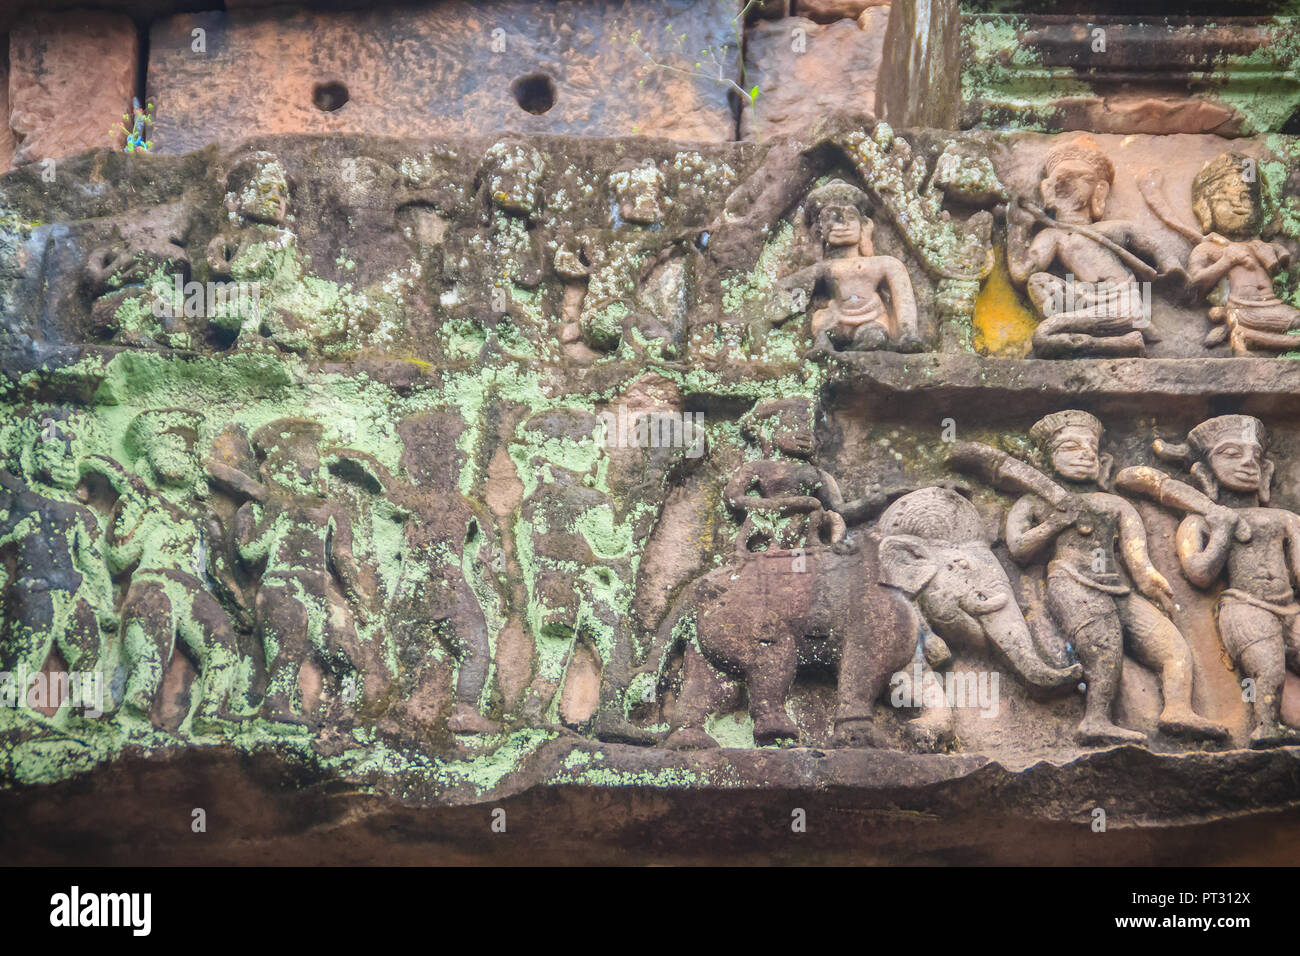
1226, 203
1098, 306
857, 316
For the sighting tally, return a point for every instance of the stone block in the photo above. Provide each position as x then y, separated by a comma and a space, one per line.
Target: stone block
70, 80
805, 70
6, 137
828, 11
456, 68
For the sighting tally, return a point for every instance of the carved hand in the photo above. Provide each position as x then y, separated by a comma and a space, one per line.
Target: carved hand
1155, 586
1222, 520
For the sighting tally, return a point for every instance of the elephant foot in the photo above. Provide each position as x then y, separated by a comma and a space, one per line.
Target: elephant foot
689, 738
1192, 725
929, 735
619, 730
1273, 735
1102, 733
774, 730
466, 720
859, 733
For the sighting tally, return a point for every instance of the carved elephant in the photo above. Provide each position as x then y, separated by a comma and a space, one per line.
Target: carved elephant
860, 612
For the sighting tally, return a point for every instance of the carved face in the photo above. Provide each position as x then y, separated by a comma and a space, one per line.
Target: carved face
1073, 190
1232, 207
1075, 454
265, 197
514, 177
171, 456
55, 463
1238, 465
296, 467
841, 225
794, 435
638, 193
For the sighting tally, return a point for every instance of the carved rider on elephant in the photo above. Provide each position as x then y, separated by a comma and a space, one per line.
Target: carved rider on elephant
784, 499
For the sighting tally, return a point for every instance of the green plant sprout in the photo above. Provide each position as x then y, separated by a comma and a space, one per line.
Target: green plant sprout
139, 119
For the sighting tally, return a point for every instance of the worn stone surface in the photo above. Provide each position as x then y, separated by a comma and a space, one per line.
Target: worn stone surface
564, 470
920, 76
828, 11
70, 81
1175, 74
6, 135
805, 70
584, 68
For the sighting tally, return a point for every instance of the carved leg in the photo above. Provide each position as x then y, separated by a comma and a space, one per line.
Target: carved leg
1254, 637
1157, 644
617, 663
865, 670
1092, 621
148, 637
282, 628
704, 691
469, 642
210, 637
365, 659
768, 676
30, 630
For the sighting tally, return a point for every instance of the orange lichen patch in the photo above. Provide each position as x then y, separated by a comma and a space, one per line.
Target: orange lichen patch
1003, 324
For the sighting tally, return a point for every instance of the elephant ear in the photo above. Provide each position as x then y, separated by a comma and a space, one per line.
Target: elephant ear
906, 563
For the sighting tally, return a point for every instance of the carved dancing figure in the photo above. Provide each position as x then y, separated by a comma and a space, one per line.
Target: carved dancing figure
1230, 532
1087, 596
311, 590
160, 528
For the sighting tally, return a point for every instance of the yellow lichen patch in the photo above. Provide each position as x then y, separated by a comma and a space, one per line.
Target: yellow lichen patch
1003, 324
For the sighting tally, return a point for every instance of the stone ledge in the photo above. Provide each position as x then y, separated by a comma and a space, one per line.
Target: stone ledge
954, 374
868, 806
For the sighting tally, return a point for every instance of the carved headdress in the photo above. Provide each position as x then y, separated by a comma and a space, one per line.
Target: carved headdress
1209, 435
150, 425
940, 514
1081, 149
835, 193
1228, 170
1045, 430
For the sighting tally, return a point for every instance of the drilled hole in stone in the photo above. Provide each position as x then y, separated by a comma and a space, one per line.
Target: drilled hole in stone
328, 97
534, 93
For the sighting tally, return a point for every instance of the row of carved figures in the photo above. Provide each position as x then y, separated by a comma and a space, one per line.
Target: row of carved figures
1088, 276
803, 586
769, 612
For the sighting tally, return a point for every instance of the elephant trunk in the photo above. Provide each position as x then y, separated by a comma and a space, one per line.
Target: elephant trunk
1007, 631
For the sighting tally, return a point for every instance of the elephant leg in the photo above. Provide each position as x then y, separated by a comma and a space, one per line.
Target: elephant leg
874, 649
934, 726
705, 690
768, 677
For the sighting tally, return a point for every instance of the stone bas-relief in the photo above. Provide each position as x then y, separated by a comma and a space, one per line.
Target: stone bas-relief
539, 461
